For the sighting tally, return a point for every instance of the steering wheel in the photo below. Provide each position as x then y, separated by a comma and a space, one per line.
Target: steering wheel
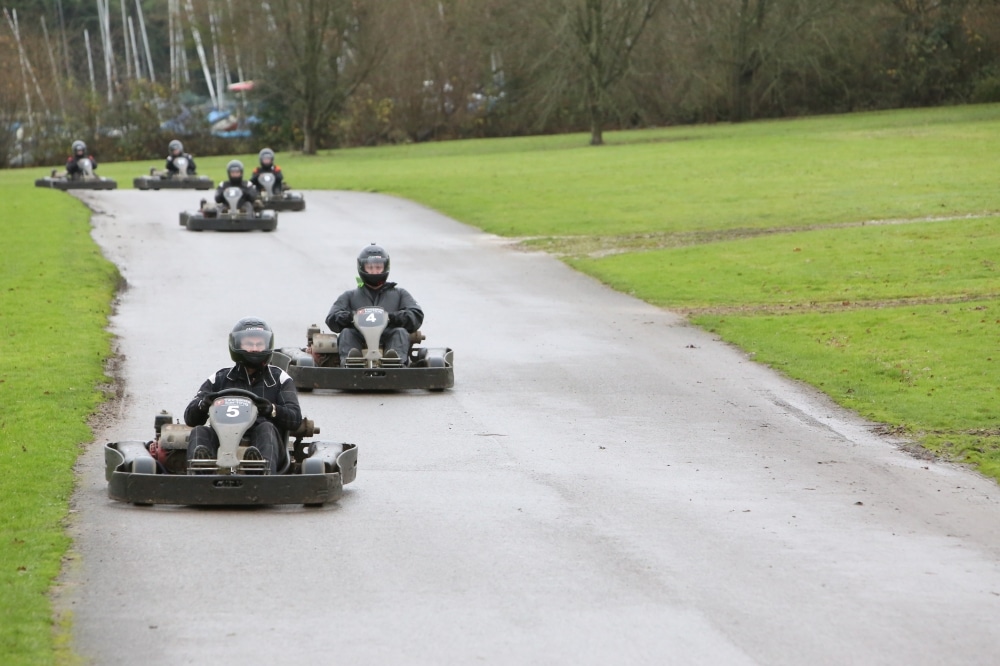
238, 393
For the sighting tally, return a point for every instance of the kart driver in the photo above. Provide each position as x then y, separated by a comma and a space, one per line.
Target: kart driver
235, 171
175, 149
73, 162
405, 315
251, 344
267, 165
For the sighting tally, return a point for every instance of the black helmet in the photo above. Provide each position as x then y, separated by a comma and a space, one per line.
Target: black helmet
373, 265
175, 147
268, 154
246, 329
235, 165
79, 148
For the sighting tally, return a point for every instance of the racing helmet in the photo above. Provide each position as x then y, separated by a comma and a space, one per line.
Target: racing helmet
79, 148
235, 167
373, 265
175, 147
251, 342
267, 154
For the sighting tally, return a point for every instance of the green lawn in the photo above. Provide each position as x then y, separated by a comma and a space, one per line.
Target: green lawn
57, 291
775, 235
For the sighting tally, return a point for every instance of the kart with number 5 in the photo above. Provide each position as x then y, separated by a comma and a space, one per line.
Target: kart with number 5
158, 472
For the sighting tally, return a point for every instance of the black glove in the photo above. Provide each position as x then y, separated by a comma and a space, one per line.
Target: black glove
395, 319
203, 405
344, 319
265, 408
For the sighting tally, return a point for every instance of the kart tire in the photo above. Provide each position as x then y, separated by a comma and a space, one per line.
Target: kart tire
313, 466
144, 466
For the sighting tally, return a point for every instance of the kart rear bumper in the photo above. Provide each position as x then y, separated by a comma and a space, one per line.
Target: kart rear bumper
133, 476
176, 183
67, 184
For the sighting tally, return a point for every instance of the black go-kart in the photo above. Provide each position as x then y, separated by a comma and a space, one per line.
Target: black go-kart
167, 180
85, 180
229, 216
317, 366
278, 199
158, 472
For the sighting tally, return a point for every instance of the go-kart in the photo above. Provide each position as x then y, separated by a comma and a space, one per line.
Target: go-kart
317, 366
229, 216
85, 180
167, 180
158, 472
278, 199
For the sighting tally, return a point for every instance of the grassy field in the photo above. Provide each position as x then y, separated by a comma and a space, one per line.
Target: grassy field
854, 252
57, 291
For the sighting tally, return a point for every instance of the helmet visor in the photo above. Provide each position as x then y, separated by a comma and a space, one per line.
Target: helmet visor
253, 340
374, 265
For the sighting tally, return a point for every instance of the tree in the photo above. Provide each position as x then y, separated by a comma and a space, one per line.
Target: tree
601, 36
317, 57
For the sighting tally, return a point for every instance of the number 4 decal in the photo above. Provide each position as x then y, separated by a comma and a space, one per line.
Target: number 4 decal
370, 317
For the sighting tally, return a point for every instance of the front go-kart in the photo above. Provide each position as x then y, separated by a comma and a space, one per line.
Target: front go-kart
87, 179
158, 472
167, 180
317, 366
230, 216
275, 199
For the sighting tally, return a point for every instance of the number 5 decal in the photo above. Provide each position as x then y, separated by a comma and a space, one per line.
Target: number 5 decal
232, 411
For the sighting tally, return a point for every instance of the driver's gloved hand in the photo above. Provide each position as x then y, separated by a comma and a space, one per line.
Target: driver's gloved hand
345, 319
395, 319
203, 405
265, 408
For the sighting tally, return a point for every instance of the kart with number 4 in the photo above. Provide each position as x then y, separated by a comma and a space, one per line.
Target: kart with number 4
158, 472
317, 366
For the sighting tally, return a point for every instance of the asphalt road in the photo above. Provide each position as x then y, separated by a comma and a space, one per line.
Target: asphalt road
604, 484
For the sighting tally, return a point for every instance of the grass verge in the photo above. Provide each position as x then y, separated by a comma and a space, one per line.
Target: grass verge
57, 297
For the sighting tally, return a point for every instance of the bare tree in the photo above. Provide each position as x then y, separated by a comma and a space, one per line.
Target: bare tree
319, 57
599, 36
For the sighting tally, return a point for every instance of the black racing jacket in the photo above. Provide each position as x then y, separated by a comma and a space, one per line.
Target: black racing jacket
249, 193
271, 383
172, 168
279, 178
72, 168
392, 299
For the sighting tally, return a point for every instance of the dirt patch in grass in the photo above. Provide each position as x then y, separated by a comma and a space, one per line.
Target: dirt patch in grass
596, 247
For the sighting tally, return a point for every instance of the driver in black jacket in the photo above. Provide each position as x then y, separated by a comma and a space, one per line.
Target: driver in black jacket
405, 315
73, 169
235, 172
251, 344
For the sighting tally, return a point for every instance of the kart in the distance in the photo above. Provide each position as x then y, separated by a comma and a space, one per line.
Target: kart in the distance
158, 472
167, 180
87, 179
317, 366
230, 216
275, 199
